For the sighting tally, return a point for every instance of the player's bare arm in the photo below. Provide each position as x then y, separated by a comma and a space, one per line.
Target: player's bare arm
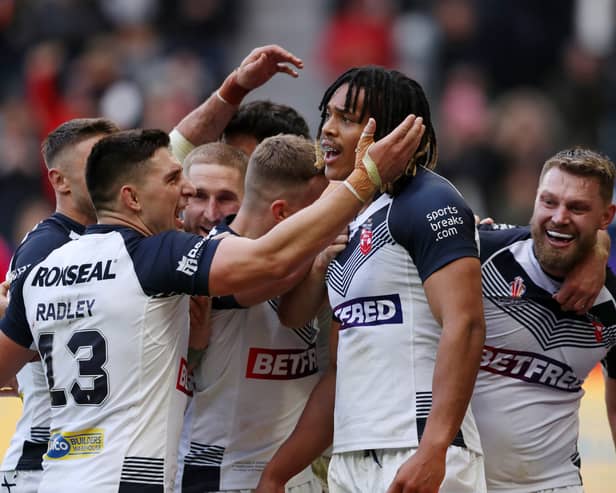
313, 433
12, 358
301, 303
454, 294
206, 122
586, 279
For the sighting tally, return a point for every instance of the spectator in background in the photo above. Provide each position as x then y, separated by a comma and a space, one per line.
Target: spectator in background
359, 32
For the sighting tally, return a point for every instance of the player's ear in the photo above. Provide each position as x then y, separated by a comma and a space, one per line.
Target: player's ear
279, 210
130, 198
608, 216
58, 181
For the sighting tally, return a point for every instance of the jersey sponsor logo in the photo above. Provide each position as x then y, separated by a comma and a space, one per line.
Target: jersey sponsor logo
64, 311
281, 364
373, 310
189, 263
16, 273
184, 382
73, 274
75, 444
518, 288
597, 326
365, 238
443, 221
530, 367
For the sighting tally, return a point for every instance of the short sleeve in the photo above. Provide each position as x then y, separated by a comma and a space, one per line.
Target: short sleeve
433, 222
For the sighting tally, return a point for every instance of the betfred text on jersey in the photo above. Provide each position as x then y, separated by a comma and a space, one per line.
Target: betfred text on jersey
373, 310
73, 274
281, 364
530, 367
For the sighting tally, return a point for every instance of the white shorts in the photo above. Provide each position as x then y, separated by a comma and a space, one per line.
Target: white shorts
373, 471
20, 481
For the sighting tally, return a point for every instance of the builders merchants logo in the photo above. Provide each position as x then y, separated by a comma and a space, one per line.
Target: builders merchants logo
75, 444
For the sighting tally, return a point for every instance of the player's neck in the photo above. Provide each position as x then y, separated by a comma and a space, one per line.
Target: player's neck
248, 224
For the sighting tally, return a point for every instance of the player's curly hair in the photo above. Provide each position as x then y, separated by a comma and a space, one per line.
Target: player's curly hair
389, 97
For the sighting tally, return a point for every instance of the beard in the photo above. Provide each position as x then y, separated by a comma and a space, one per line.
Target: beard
560, 261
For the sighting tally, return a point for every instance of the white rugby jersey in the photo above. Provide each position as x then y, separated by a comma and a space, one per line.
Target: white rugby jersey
250, 390
29, 442
535, 360
112, 330
388, 337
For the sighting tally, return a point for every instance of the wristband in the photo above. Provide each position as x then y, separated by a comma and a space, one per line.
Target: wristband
230, 92
180, 145
371, 169
351, 189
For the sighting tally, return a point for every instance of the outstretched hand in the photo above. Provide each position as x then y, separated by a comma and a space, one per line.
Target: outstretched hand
263, 63
392, 153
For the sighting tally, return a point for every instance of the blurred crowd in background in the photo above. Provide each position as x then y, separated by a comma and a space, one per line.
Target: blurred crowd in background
510, 81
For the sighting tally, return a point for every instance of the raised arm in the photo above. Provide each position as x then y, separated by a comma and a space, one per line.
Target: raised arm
238, 262
454, 294
12, 358
206, 122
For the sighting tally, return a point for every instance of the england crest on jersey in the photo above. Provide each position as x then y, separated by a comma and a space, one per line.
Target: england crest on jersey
518, 288
365, 238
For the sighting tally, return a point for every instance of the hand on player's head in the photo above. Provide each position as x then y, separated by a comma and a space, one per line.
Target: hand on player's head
393, 152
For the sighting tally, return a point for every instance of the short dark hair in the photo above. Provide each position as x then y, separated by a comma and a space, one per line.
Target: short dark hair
585, 162
118, 157
73, 132
389, 97
263, 119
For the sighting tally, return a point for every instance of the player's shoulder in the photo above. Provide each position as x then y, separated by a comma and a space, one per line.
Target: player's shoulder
496, 237
48, 235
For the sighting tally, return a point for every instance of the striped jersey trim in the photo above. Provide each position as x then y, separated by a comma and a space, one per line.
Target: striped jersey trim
145, 470
204, 455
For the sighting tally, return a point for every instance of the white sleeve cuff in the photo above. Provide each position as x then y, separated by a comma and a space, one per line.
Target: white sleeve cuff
180, 145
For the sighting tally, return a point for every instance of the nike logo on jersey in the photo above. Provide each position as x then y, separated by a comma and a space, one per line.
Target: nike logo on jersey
373, 310
530, 367
73, 274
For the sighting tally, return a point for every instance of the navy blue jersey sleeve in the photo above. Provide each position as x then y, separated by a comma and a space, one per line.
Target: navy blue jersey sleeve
172, 262
48, 235
433, 222
492, 240
14, 324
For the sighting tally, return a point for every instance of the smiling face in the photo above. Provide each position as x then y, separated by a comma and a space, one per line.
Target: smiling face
340, 133
219, 192
569, 210
163, 193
